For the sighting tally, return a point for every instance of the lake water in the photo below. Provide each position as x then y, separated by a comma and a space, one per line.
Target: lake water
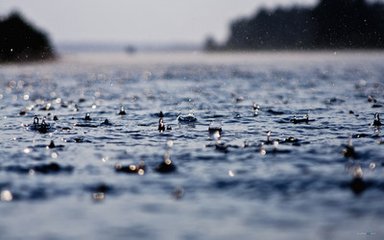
236, 181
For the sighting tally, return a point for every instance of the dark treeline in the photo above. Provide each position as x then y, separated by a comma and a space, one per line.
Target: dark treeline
21, 42
331, 24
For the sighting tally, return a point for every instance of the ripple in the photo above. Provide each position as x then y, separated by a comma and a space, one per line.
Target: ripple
43, 168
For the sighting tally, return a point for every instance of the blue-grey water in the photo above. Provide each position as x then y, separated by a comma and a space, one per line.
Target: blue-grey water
237, 183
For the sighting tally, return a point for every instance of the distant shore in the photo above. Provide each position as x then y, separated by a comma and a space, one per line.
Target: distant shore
331, 24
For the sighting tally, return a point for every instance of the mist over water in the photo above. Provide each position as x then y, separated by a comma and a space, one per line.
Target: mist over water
248, 162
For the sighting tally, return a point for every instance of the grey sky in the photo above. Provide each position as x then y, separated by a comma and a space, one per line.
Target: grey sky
137, 21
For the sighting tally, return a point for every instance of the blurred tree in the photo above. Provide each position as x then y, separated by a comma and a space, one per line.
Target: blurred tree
330, 24
20, 42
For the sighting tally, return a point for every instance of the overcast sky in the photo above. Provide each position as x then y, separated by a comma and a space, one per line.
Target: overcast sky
137, 21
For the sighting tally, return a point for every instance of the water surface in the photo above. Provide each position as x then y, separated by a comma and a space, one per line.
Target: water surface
239, 186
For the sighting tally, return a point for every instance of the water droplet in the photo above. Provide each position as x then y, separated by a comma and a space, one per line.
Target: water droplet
216, 135
31, 172
358, 172
54, 155
87, 117
168, 161
215, 129
48, 106
27, 150
262, 150
275, 144
98, 196
169, 143
141, 172
122, 110
6, 196
372, 165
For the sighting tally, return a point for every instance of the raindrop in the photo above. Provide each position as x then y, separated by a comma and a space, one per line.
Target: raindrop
122, 110
6, 196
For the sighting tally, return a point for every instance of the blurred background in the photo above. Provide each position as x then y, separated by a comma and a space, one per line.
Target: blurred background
145, 24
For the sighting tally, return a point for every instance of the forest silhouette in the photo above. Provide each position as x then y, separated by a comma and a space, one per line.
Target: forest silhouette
331, 24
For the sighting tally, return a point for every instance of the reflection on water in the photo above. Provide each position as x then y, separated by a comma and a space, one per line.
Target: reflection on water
193, 146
